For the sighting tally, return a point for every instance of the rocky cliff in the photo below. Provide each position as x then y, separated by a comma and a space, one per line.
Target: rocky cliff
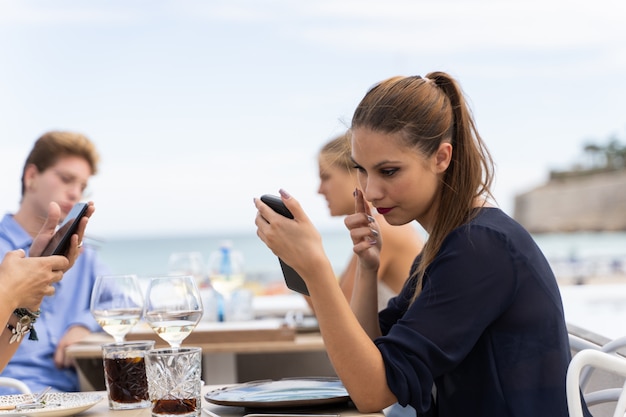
576, 202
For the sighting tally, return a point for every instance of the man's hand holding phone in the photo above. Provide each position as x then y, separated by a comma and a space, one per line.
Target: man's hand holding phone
47, 230
67, 241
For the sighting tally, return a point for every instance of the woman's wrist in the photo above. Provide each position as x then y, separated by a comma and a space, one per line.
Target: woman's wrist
24, 311
24, 324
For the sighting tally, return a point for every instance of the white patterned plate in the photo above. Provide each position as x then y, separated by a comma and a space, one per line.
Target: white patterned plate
58, 404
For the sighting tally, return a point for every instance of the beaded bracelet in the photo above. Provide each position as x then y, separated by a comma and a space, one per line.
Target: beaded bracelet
25, 324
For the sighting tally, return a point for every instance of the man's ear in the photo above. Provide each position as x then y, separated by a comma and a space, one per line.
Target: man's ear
443, 156
30, 172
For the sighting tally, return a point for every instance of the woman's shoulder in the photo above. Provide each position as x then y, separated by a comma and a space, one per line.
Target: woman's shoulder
496, 219
490, 225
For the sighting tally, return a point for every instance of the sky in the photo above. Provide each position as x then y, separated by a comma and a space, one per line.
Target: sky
198, 106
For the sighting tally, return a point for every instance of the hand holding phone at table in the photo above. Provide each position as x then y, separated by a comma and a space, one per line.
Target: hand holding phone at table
293, 280
59, 244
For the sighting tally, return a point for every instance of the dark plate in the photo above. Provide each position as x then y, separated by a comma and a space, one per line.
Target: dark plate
287, 392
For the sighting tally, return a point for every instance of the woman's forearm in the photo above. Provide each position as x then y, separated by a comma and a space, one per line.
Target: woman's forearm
7, 349
364, 302
354, 356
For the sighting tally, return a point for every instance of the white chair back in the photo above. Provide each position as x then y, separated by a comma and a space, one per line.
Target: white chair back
595, 359
14, 383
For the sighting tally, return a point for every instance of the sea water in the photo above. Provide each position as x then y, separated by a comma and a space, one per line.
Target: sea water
604, 252
575, 257
150, 255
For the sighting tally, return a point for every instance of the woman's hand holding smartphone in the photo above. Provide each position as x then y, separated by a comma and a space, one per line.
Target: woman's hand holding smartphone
293, 280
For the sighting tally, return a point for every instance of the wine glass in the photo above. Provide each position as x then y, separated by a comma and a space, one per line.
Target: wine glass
188, 263
116, 304
173, 307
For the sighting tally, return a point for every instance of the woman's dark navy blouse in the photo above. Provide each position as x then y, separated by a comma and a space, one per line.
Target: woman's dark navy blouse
488, 328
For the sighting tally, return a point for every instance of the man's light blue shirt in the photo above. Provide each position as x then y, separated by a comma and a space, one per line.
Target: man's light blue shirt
33, 363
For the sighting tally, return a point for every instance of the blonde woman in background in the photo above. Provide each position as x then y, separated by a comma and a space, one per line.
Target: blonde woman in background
338, 181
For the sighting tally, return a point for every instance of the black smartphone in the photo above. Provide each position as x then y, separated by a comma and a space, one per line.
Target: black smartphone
293, 280
60, 242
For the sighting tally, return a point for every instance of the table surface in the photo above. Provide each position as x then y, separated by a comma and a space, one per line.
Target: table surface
221, 344
301, 342
101, 409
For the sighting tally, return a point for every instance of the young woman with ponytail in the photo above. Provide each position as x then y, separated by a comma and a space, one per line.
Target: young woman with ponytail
478, 329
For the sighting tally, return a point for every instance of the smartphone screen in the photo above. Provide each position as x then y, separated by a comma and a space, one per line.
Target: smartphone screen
293, 280
59, 244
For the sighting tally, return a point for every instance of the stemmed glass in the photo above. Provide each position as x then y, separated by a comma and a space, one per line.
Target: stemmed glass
116, 304
173, 307
188, 263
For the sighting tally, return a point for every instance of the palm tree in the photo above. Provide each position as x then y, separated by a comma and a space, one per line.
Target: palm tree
595, 155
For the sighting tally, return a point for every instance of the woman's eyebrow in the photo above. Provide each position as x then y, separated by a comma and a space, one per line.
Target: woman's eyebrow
379, 164
386, 162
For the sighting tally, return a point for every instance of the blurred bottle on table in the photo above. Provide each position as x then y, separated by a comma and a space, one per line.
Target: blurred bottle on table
227, 277
226, 269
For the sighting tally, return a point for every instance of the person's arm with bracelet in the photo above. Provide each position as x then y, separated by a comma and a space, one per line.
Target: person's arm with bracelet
24, 281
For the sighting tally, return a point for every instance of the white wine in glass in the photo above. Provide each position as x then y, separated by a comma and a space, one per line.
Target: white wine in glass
173, 307
116, 304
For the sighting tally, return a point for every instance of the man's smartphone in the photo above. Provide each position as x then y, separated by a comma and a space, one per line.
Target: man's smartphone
60, 242
293, 280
